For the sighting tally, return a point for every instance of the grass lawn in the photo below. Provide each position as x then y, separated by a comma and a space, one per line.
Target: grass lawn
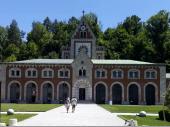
28, 107
132, 108
5, 118
148, 120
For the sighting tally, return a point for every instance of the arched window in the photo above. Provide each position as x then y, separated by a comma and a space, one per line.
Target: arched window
133, 74
64, 73
47, 73
101, 73
31, 73
15, 72
150, 74
82, 72
117, 73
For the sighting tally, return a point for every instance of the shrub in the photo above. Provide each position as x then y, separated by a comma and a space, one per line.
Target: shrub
167, 115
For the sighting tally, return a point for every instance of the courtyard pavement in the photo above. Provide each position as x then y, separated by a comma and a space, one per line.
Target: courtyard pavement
85, 115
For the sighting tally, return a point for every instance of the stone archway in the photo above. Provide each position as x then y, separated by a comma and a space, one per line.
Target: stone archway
100, 93
15, 92
150, 94
31, 92
47, 93
133, 94
116, 94
63, 92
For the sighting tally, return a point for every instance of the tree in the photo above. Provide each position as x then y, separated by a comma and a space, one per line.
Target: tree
48, 24
157, 29
14, 33
12, 49
11, 58
32, 50
132, 25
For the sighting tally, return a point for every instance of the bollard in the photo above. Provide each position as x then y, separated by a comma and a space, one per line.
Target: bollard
12, 122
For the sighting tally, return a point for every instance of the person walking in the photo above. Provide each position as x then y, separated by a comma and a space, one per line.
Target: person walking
73, 104
67, 104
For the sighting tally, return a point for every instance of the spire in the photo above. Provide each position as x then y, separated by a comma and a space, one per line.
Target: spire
83, 16
83, 12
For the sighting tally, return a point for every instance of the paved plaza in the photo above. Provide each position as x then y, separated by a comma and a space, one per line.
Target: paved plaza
85, 115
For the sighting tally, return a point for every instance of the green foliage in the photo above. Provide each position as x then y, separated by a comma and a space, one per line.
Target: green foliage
24, 107
132, 108
167, 98
146, 121
132, 39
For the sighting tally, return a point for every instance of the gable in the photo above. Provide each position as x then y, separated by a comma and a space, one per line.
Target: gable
83, 31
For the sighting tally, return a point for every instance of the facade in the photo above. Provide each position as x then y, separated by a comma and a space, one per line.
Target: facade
82, 73
168, 80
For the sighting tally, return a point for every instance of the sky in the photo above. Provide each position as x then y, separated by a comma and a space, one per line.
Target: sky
109, 12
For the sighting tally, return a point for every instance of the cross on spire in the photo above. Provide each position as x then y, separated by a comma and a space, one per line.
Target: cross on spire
83, 12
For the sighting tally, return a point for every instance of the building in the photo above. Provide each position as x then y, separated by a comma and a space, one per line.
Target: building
83, 73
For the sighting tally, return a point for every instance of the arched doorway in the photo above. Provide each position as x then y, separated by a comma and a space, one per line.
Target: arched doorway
150, 94
133, 94
63, 92
31, 93
47, 93
14, 93
116, 94
100, 94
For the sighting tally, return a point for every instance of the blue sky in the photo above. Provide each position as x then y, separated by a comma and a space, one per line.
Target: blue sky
109, 12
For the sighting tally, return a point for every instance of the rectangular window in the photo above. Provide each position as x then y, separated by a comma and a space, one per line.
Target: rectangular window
153, 75
135, 74
103, 73
114, 74
12, 73
34, 73
66, 73
61, 74
97, 73
29, 73
147, 74
130, 74
17, 73
50, 73
45, 73
119, 74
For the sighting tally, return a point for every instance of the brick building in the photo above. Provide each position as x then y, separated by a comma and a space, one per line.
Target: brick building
83, 73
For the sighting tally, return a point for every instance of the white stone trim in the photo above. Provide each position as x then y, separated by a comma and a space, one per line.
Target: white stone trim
150, 70
69, 87
31, 69
139, 91
20, 89
117, 73
121, 84
133, 70
156, 91
25, 89
64, 69
47, 69
162, 83
106, 88
101, 69
14, 69
41, 93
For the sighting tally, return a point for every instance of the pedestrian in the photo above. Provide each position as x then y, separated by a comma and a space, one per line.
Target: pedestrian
73, 104
67, 104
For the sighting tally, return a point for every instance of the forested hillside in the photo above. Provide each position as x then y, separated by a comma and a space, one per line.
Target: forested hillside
132, 38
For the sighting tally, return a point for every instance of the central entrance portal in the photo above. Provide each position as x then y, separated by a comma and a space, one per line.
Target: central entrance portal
82, 93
